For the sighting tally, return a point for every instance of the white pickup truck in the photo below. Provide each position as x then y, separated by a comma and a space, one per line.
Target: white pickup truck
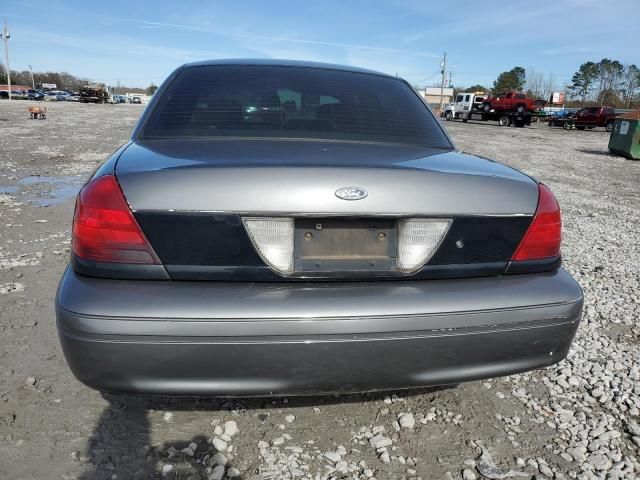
464, 105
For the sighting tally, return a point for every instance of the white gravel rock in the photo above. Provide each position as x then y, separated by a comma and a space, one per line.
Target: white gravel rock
380, 441
599, 462
633, 428
468, 474
342, 467
188, 451
167, 468
406, 420
545, 470
231, 428
333, 456
219, 444
217, 473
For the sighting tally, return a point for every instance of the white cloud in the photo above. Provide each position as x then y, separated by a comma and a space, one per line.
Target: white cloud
277, 39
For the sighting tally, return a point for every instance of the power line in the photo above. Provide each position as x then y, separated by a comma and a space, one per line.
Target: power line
427, 78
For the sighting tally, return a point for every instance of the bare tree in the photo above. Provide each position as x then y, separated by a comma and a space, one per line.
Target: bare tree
535, 83
631, 83
610, 74
549, 86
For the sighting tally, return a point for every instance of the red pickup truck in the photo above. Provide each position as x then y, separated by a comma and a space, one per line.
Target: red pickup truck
512, 102
592, 117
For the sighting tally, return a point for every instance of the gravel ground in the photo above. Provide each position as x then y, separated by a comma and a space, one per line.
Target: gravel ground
574, 420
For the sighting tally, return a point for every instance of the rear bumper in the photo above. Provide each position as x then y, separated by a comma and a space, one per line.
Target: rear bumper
261, 339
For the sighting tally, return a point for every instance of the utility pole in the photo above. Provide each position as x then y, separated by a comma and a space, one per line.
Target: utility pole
5, 38
33, 84
444, 78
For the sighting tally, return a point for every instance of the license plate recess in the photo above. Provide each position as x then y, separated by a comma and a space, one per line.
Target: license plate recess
344, 245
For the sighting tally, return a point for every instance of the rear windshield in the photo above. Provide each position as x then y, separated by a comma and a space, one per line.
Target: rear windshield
292, 102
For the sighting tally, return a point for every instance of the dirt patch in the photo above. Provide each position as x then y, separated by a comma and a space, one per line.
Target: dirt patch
575, 419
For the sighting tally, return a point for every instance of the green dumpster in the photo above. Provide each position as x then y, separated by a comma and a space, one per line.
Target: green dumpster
625, 137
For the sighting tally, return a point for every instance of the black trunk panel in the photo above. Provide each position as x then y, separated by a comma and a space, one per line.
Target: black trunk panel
202, 239
215, 246
482, 240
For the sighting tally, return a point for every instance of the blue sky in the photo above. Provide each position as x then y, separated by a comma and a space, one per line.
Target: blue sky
141, 42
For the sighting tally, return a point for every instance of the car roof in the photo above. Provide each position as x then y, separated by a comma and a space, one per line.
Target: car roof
284, 63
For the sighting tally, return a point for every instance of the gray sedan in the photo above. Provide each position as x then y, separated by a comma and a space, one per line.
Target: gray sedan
280, 227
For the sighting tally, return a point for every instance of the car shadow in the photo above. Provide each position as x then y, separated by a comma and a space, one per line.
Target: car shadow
121, 445
590, 151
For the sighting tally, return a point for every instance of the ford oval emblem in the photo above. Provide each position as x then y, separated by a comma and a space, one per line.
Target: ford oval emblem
351, 193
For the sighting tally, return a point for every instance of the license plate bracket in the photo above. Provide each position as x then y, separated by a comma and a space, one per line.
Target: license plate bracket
344, 245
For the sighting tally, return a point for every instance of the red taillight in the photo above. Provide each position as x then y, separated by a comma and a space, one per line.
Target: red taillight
104, 228
543, 237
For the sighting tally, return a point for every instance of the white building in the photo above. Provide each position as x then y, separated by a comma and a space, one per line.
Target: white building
432, 95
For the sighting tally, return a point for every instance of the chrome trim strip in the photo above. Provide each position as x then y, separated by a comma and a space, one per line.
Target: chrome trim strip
334, 214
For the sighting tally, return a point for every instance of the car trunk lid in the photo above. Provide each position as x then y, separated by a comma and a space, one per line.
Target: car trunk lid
255, 210
284, 177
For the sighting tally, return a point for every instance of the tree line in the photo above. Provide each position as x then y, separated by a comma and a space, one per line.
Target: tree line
63, 81
537, 84
607, 82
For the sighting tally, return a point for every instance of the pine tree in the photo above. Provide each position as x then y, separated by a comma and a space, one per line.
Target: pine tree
514, 79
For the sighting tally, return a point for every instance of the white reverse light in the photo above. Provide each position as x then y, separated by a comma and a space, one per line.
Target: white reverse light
418, 240
273, 238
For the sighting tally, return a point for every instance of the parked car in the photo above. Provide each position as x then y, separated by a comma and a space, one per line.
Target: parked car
54, 96
592, 117
73, 98
342, 244
512, 102
15, 94
19, 95
562, 118
63, 95
135, 100
35, 94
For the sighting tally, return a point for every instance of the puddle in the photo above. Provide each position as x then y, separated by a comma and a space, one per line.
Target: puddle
44, 191
44, 180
